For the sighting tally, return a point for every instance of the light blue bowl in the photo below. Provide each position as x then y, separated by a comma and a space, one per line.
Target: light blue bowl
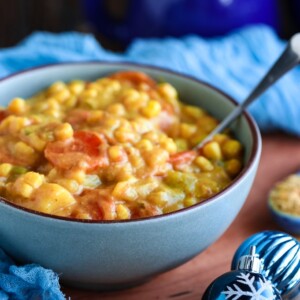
118, 254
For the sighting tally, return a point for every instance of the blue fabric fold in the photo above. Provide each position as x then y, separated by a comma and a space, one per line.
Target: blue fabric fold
27, 282
233, 63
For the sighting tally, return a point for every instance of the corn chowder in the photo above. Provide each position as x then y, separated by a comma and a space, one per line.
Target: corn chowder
113, 149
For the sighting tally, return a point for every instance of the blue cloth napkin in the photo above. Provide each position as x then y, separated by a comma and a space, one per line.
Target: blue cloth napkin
234, 63
27, 282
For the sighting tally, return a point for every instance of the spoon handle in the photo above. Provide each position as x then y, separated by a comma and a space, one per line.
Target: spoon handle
288, 60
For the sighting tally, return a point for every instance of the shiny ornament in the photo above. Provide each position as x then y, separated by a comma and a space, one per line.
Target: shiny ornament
246, 282
280, 254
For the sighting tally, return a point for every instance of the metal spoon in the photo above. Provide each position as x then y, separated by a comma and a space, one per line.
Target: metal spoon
288, 60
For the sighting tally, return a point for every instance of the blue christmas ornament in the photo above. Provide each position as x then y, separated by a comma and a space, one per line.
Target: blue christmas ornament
244, 283
280, 254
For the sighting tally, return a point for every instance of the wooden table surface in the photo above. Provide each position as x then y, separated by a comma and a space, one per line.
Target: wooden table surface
280, 157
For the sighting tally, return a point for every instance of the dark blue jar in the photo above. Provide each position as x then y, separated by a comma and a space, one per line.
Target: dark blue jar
123, 20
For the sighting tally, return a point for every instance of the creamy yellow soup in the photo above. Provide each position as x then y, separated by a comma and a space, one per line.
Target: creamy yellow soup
113, 149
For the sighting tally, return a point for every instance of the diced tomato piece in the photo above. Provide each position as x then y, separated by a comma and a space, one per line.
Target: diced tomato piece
83, 150
99, 203
87, 142
77, 117
184, 157
3, 114
144, 210
7, 157
135, 78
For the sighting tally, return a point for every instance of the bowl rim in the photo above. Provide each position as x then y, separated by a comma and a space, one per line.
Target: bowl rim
246, 169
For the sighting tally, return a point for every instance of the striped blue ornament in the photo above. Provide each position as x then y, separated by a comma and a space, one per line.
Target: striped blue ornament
280, 253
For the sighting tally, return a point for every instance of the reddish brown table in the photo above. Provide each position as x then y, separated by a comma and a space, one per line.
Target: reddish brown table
280, 157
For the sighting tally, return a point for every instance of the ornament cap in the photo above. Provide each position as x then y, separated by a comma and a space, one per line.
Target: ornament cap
251, 262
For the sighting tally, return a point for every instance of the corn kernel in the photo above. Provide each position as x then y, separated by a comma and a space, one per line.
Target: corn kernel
13, 124
123, 135
27, 183
5, 169
17, 106
53, 173
94, 85
70, 102
63, 131
91, 103
130, 93
197, 138
53, 103
193, 111
221, 138
24, 190
62, 95
156, 157
116, 153
207, 123
95, 116
141, 125
212, 150
57, 86
171, 208
152, 109
112, 123
71, 185
233, 166
167, 90
78, 175
76, 86
125, 173
144, 145
53, 113
21, 148
90, 93
206, 188
104, 81
83, 216
187, 130
117, 109
203, 163
189, 201
232, 149
33, 179
137, 161
125, 191
113, 86
169, 145
159, 198
123, 213
41, 106
51, 197
133, 100
36, 142
151, 136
